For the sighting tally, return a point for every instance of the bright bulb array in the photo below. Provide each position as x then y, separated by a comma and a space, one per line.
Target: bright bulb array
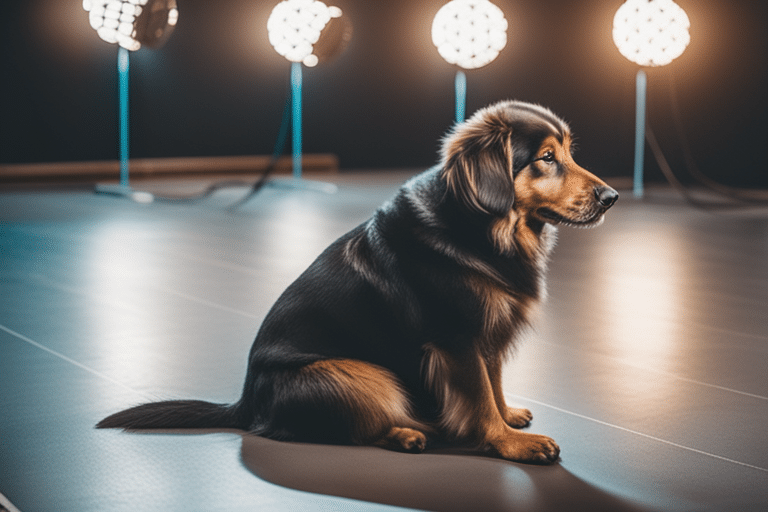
131, 23
296, 25
651, 32
469, 33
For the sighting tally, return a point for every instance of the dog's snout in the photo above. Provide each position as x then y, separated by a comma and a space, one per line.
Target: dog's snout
606, 196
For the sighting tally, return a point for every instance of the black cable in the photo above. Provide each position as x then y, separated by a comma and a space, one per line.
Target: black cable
255, 187
210, 190
282, 136
708, 205
734, 193
670, 176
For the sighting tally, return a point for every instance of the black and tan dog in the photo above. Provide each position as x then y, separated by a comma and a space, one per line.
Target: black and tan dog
400, 328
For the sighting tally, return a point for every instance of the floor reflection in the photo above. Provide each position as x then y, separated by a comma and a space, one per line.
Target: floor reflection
122, 269
642, 292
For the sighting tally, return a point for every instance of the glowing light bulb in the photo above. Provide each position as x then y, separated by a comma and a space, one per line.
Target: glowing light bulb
469, 33
296, 26
651, 32
132, 23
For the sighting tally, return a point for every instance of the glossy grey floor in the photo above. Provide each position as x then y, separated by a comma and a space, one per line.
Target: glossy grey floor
648, 365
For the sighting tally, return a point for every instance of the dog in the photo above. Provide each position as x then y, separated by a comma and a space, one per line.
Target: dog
399, 330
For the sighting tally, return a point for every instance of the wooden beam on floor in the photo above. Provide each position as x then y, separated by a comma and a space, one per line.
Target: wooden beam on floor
157, 167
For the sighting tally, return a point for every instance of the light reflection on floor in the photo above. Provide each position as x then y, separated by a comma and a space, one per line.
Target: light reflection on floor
122, 265
641, 293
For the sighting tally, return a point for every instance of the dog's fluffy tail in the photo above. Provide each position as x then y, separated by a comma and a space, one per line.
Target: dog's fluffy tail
175, 414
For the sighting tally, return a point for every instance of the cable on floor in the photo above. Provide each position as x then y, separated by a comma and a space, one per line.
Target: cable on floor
256, 186
738, 197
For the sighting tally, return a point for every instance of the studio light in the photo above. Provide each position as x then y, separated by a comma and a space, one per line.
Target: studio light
649, 33
305, 32
130, 24
469, 34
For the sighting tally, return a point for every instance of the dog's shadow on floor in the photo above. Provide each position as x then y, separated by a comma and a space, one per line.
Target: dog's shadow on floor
438, 479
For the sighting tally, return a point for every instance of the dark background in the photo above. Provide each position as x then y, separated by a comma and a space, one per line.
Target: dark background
218, 87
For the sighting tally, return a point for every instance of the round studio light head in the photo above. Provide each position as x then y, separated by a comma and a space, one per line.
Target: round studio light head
307, 31
133, 23
651, 32
469, 33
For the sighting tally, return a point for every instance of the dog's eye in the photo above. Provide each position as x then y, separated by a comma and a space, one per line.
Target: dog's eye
548, 157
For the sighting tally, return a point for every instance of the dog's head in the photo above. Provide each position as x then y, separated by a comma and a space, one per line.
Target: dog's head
514, 159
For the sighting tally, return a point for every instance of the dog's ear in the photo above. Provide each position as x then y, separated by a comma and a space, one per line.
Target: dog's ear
478, 170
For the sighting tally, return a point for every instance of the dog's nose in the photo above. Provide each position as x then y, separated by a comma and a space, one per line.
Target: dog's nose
606, 196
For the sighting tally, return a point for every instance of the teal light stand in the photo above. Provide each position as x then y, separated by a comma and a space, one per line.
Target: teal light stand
124, 188
296, 182
641, 85
461, 96
122, 73
296, 117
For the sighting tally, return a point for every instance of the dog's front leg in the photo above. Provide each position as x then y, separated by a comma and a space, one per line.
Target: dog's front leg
470, 411
514, 417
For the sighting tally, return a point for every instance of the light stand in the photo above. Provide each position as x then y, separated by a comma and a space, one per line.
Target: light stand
650, 33
468, 34
296, 114
460, 84
129, 23
123, 189
304, 32
641, 83
123, 74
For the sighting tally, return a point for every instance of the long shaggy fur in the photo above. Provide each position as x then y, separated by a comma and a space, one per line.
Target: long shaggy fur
399, 329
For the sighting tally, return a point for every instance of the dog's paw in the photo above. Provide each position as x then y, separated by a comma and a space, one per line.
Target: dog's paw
517, 418
529, 448
403, 439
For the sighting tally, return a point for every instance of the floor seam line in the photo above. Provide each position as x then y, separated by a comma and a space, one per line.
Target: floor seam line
635, 432
660, 372
204, 302
72, 361
7, 505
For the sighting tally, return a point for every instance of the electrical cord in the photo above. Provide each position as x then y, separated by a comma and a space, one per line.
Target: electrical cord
739, 197
693, 169
276, 153
256, 186
670, 176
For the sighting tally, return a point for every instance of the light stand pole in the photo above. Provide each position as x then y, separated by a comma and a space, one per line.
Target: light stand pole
130, 24
122, 73
640, 86
296, 77
296, 181
461, 96
124, 188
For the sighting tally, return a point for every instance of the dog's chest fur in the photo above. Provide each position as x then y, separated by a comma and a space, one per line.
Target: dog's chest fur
495, 287
511, 299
